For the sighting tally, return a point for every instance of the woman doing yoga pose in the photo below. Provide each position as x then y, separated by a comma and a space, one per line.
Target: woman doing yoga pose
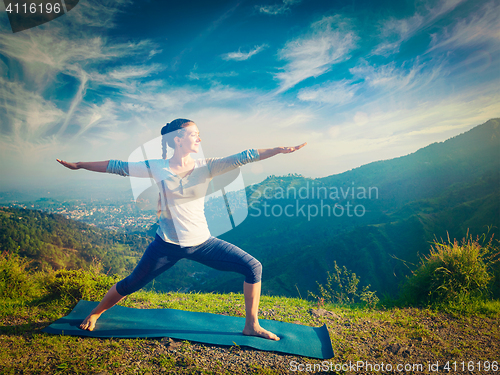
183, 230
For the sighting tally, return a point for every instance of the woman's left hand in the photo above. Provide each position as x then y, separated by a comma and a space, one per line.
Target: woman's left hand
268, 152
287, 150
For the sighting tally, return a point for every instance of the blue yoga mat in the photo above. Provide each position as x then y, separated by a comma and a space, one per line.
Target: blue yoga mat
126, 322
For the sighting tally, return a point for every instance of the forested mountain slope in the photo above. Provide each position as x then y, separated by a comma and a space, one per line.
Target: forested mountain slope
377, 220
444, 189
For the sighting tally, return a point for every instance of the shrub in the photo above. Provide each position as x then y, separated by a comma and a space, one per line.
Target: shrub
15, 281
79, 284
342, 287
454, 272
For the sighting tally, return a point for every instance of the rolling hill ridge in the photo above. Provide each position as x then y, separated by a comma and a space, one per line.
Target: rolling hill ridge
377, 220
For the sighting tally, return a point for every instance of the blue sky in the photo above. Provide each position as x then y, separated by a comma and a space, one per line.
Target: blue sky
360, 81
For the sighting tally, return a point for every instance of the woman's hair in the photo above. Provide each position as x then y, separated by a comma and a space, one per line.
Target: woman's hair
169, 132
172, 130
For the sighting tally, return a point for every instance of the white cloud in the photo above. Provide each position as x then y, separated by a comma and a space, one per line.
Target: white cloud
396, 31
77, 99
96, 13
241, 56
27, 115
47, 62
276, 9
177, 98
93, 115
44, 53
226, 131
360, 118
155, 52
125, 76
210, 76
387, 76
329, 42
394, 79
385, 111
335, 93
480, 29
225, 93
402, 127
174, 98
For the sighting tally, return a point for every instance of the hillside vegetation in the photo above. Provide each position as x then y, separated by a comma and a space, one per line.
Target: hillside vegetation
442, 191
54, 242
447, 336
414, 280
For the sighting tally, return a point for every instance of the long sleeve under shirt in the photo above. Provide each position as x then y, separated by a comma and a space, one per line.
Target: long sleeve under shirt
182, 220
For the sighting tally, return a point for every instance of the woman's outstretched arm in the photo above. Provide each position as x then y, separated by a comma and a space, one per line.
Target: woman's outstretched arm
95, 166
268, 152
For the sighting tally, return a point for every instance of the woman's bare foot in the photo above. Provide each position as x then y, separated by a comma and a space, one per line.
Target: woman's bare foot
89, 323
258, 331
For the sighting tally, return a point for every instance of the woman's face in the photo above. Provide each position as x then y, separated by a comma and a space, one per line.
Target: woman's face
190, 142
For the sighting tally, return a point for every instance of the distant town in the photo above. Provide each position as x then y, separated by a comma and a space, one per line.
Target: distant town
119, 215
122, 214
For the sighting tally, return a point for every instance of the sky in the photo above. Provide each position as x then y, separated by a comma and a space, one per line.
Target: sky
358, 80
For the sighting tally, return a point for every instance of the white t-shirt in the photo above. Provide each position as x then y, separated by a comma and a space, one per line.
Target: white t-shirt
182, 220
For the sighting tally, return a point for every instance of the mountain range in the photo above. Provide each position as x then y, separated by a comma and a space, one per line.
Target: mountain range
377, 220
443, 191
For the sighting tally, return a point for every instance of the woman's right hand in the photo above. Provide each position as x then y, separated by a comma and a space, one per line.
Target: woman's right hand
68, 164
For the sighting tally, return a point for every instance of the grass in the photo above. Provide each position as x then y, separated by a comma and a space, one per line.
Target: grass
375, 335
357, 335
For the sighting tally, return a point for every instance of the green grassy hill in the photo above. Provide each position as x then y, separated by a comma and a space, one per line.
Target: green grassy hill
54, 242
29, 301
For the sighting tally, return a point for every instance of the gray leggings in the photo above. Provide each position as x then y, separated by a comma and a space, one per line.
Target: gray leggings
215, 253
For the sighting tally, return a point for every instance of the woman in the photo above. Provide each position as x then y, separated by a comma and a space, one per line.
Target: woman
183, 230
